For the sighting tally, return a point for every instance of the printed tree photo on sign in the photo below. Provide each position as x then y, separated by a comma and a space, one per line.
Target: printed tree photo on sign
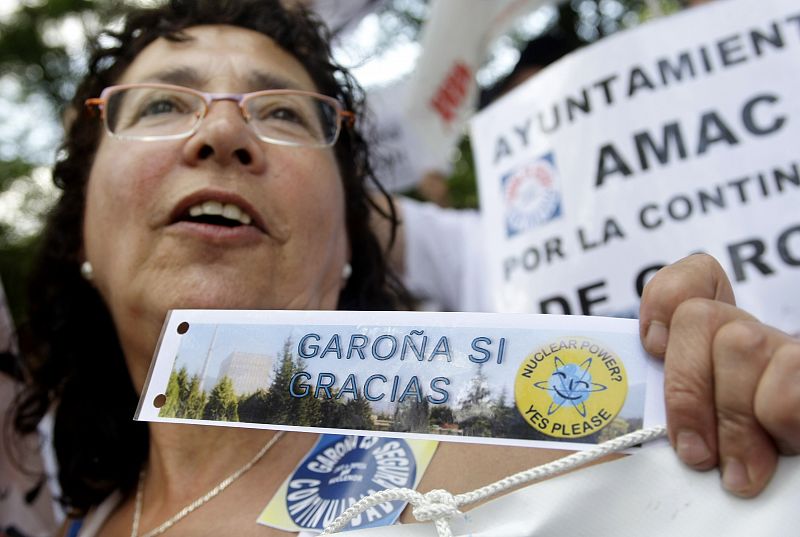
514, 384
274, 404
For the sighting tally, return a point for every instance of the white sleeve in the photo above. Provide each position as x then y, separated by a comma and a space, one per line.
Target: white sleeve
442, 255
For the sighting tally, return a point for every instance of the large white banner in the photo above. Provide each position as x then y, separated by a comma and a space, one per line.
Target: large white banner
676, 137
395, 146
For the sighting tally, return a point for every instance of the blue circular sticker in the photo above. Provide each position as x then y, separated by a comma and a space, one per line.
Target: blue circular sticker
340, 470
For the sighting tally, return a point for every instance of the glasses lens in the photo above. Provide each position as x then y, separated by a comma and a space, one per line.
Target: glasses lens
149, 112
294, 118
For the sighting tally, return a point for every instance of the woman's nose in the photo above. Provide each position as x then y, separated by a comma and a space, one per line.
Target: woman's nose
225, 138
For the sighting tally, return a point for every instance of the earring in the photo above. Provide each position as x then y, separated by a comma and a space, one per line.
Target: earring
87, 271
347, 271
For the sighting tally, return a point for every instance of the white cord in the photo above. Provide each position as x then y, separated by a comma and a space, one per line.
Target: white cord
440, 505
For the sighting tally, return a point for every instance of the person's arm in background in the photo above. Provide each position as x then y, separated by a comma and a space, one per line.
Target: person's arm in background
433, 188
437, 253
731, 383
395, 251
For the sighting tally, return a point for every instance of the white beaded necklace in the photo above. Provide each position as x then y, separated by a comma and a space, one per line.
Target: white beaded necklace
222, 485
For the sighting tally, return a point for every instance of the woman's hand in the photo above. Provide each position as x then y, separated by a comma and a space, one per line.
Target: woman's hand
731, 383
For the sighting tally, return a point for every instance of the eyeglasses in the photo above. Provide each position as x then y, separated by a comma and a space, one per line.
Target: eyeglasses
153, 112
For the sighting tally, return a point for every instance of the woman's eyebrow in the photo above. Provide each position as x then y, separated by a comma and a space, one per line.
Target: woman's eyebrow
191, 78
179, 76
260, 80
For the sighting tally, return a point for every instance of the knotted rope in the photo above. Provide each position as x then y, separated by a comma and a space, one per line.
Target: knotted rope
440, 505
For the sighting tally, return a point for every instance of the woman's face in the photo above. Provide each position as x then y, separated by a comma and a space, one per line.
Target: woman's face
149, 256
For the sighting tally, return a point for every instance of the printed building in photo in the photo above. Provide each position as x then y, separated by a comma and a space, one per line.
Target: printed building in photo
249, 372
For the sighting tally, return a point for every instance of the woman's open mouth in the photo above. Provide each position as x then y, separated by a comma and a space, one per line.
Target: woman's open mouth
218, 214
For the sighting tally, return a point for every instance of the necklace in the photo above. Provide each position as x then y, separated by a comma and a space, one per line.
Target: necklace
222, 485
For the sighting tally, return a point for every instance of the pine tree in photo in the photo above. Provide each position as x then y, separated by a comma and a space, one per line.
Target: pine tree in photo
222, 403
195, 399
357, 414
279, 405
311, 412
176, 388
503, 418
442, 415
252, 407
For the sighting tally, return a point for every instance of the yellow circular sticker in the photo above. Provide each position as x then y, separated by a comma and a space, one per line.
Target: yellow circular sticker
570, 387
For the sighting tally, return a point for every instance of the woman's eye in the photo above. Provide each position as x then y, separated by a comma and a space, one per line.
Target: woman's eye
285, 118
162, 106
286, 114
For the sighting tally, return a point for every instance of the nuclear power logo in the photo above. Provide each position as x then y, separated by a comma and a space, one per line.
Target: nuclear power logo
570, 387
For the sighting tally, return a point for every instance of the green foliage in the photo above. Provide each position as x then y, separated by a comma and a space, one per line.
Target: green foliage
313, 411
279, 405
356, 414
41, 63
195, 401
222, 403
13, 168
476, 426
38, 76
330, 411
251, 407
175, 386
441, 415
184, 398
463, 185
16, 259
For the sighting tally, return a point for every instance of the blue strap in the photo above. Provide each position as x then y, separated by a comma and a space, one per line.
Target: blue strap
74, 528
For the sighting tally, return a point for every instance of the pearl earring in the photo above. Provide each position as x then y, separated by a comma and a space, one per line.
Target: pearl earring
87, 271
347, 271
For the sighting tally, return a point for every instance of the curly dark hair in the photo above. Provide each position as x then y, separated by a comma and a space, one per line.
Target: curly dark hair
74, 359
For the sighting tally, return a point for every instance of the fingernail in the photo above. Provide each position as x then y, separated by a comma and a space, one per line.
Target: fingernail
691, 448
656, 338
734, 476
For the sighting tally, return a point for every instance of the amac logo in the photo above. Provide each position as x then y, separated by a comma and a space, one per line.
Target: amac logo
531, 195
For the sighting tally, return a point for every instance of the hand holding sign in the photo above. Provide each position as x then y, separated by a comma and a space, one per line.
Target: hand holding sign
730, 382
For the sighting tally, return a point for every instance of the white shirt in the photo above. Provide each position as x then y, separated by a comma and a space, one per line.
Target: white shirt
444, 257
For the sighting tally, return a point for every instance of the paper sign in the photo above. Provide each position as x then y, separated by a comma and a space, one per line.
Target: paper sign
556, 381
442, 91
676, 137
340, 470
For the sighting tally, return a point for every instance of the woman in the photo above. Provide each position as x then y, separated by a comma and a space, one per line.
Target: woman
195, 197
125, 213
